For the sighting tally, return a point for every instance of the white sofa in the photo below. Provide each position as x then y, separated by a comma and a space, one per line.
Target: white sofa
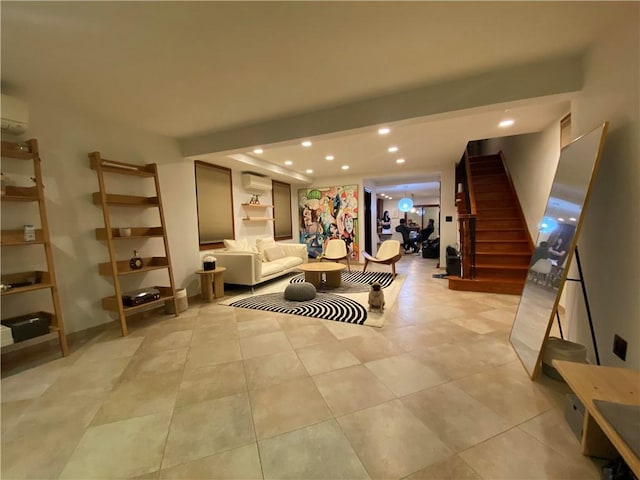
247, 265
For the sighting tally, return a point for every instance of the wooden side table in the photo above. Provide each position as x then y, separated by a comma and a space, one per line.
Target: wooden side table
211, 283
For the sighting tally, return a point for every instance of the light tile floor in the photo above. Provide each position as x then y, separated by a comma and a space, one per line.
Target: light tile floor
219, 392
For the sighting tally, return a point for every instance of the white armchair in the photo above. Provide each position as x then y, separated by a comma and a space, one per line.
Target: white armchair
336, 250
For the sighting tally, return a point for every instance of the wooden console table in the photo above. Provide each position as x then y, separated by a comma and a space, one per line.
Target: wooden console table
592, 382
211, 283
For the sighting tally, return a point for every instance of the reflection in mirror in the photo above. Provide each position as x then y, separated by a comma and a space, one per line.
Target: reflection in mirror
557, 239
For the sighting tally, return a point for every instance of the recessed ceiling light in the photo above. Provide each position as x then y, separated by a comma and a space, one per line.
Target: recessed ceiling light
560, 219
329, 157
506, 123
308, 170
392, 149
306, 143
258, 151
345, 167
390, 198
288, 162
572, 219
400, 160
384, 130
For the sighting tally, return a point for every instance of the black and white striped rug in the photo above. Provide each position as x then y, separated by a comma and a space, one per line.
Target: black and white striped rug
353, 282
326, 306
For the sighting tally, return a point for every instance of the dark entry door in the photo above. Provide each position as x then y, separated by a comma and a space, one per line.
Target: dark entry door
367, 221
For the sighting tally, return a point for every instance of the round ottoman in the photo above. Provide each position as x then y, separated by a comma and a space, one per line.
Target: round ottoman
299, 292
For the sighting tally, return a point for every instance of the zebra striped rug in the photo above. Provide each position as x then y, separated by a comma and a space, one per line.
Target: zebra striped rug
347, 303
327, 306
353, 282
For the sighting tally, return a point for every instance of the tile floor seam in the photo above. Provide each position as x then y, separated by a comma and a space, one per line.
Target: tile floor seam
416, 280
253, 422
173, 411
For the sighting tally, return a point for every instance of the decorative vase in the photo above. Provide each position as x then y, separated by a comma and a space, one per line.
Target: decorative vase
136, 262
208, 263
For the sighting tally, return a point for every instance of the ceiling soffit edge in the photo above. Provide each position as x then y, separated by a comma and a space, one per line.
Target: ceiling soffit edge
532, 80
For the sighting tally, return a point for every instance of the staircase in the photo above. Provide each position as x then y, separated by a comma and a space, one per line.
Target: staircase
501, 239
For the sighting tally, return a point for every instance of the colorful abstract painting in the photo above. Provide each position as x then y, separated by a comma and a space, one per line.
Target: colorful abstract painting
327, 213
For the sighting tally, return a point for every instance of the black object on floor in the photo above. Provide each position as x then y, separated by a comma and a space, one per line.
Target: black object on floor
440, 275
431, 248
453, 262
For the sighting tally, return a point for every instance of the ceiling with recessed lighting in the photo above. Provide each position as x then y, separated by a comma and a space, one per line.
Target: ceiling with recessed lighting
185, 69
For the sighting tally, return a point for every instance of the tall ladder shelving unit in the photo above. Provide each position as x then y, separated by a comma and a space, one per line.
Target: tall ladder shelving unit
118, 268
13, 238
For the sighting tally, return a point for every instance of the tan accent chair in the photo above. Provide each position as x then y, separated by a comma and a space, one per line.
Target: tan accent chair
336, 250
388, 254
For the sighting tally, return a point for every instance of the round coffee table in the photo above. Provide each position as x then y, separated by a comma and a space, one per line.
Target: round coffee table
313, 273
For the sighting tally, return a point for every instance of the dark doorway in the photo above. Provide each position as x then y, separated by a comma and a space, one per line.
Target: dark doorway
367, 221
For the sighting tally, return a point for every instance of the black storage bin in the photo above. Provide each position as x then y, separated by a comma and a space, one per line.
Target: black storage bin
453, 262
28, 326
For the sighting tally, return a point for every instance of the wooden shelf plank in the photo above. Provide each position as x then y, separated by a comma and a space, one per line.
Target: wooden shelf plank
40, 281
122, 168
52, 335
30, 288
126, 200
9, 238
20, 194
136, 232
148, 264
112, 303
256, 205
16, 150
258, 219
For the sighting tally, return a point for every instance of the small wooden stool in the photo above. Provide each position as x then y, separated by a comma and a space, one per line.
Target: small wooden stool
211, 283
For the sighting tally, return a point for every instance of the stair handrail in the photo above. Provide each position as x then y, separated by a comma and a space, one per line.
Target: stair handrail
513, 191
467, 222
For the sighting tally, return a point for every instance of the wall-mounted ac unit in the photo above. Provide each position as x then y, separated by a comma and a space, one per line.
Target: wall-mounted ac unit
15, 114
256, 183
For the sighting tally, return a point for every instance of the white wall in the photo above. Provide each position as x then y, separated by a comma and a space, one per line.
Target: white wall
532, 160
608, 243
65, 138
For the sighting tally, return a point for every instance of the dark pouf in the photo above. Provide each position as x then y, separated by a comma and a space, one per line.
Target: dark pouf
299, 292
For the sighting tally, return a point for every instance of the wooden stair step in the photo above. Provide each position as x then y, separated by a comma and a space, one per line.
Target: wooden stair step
497, 214
488, 177
502, 258
501, 234
492, 222
509, 287
502, 246
482, 188
514, 272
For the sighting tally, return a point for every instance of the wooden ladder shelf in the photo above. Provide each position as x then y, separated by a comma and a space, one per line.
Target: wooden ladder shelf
118, 268
12, 238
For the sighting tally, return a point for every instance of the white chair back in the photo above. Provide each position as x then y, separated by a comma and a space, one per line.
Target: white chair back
336, 248
388, 249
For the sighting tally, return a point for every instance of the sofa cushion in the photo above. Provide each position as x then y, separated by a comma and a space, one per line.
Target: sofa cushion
241, 245
270, 268
274, 253
290, 262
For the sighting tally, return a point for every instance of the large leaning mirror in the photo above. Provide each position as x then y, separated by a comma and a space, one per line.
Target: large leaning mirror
556, 242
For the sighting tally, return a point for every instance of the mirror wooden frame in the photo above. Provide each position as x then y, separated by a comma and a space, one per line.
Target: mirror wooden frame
538, 304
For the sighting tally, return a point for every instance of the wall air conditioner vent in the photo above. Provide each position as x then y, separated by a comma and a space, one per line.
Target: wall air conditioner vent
255, 183
15, 115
